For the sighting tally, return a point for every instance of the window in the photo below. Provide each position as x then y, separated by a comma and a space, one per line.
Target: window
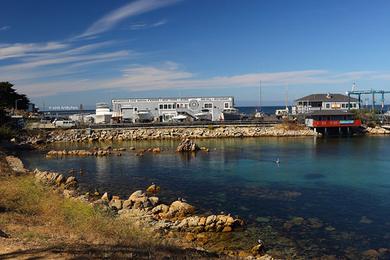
165, 106
135, 109
327, 105
161, 106
169, 106
208, 105
343, 105
226, 105
354, 105
177, 105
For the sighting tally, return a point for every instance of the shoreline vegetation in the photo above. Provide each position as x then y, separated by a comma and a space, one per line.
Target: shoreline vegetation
45, 214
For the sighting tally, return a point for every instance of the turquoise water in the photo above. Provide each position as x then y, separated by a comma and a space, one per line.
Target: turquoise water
325, 197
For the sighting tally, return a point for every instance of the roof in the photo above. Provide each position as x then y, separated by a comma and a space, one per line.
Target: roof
330, 113
330, 97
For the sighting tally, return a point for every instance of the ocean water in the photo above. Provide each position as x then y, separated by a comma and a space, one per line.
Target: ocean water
325, 197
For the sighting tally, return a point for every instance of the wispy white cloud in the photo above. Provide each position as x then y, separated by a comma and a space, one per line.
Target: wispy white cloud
5, 28
37, 61
132, 9
143, 25
169, 75
8, 51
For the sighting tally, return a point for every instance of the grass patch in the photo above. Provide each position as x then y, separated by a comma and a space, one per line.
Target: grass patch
22, 195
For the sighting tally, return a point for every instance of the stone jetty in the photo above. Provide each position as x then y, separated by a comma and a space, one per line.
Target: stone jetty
162, 133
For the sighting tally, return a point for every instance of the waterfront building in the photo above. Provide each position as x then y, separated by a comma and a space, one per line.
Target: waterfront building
169, 109
103, 114
332, 121
329, 101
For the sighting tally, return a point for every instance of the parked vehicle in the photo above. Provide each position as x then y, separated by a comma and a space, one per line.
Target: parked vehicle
64, 123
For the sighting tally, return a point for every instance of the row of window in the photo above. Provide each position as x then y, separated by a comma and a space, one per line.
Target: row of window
173, 106
343, 105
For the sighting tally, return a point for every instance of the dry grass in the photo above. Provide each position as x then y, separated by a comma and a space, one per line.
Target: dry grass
22, 197
290, 125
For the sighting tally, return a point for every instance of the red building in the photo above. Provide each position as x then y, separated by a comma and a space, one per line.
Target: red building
335, 121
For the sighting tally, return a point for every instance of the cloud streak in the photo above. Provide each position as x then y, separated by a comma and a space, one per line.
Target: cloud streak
170, 76
132, 9
142, 25
5, 28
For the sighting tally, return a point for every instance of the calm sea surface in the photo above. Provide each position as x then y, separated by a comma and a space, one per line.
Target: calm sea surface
326, 197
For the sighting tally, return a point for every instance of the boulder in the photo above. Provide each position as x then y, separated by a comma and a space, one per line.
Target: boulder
187, 145
162, 208
139, 200
127, 204
180, 209
153, 189
154, 200
156, 150
16, 164
116, 204
105, 197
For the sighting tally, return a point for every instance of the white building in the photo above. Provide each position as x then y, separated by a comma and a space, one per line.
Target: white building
103, 113
169, 109
316, 102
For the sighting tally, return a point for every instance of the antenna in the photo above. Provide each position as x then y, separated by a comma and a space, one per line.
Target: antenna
286, 89
260, 96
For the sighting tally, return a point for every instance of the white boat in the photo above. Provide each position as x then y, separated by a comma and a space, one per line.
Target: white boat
230, 114
259, 114
179, 118
144, 115
204, 115
282, 113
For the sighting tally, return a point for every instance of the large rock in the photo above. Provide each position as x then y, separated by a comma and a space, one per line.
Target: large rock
139, 200
180, 209
187, 145
153, 189
16, 164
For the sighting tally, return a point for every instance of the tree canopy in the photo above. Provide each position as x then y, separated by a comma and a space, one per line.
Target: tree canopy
9, 97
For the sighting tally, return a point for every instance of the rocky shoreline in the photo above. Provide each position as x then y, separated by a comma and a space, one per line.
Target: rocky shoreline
171, 220
163, 133
377, 130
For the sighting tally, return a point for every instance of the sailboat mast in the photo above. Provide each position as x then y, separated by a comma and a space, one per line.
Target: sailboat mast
260, 96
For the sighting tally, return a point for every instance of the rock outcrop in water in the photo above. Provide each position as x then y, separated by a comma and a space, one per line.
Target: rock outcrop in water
187, 145
377, 130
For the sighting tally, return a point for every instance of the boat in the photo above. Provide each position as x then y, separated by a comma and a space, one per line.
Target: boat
282, 113
259, 115
145, 115
231, 114
204, 115
179, 118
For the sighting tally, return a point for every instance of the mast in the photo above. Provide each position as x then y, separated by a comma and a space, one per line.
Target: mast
260, 96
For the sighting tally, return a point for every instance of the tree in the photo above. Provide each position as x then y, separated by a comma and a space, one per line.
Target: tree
9, 97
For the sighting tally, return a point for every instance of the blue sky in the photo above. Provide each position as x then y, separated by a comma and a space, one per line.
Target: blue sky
73, 52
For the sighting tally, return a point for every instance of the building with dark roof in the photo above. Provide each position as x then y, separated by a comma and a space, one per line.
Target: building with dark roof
329, 101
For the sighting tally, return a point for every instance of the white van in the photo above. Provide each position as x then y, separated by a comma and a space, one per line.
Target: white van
64, 123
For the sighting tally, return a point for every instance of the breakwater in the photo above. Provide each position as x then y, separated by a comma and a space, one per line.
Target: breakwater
164, 133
